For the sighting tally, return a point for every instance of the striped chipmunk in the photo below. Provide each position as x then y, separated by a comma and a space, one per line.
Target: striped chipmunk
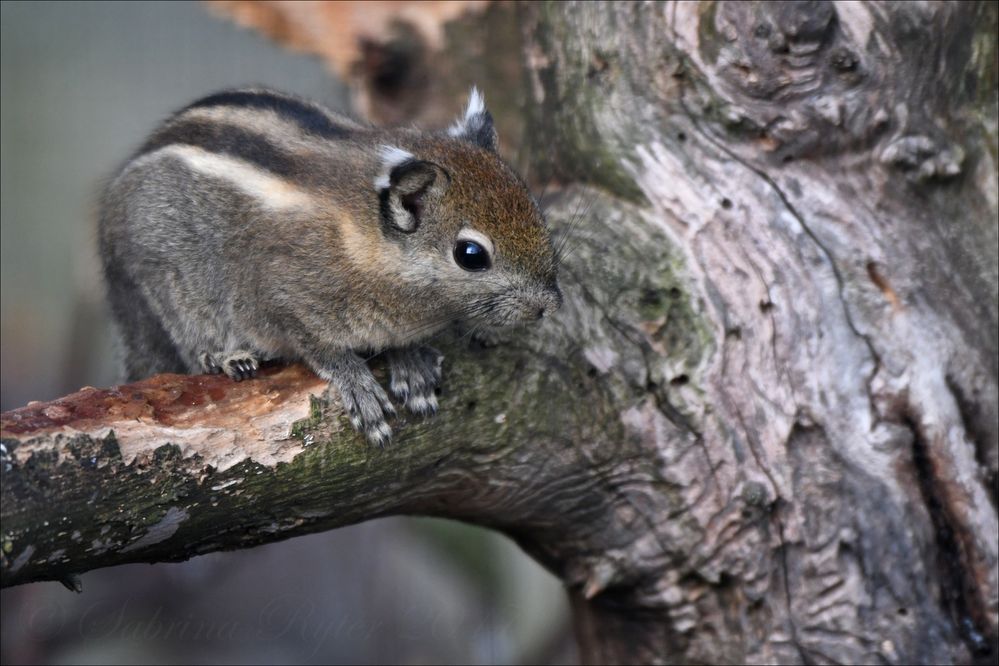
253, 225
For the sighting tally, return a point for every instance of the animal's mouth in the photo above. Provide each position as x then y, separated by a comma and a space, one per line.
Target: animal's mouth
555, 295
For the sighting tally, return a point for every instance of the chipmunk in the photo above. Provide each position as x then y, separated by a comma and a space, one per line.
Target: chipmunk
255, 225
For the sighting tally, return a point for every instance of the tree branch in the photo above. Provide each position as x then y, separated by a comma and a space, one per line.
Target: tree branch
174, 466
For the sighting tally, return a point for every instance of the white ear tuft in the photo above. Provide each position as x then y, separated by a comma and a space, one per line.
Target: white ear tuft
476, 104
391, 157
476, 125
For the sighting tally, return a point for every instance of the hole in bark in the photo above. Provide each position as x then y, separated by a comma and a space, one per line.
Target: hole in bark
471, 405
788, 158
726, 203
735, 332
679, 380
903, 611
766, 306
843, 60
388, 66
681, 137
438, 391
655, 303
396, 73
592, 372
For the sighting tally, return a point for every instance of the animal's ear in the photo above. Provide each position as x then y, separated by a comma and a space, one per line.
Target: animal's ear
476, 126
405, 186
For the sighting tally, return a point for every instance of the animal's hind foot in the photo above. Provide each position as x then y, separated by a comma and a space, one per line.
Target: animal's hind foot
209, 364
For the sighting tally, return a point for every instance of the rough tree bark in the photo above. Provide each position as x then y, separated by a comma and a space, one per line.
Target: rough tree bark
764, 426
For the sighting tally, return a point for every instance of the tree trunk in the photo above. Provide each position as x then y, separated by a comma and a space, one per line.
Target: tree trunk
764, 426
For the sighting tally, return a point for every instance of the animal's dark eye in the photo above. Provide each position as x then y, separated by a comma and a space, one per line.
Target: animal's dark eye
471, 256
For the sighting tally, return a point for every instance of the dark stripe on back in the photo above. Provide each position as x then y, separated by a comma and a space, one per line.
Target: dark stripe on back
233, 141
303, 114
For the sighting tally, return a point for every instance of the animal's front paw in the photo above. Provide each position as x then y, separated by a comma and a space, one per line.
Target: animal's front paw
238, 365
416, 374
367, 405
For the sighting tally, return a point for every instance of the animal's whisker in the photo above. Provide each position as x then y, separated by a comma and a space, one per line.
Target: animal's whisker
567, 235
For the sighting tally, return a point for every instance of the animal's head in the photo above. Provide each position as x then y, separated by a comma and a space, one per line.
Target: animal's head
467, 225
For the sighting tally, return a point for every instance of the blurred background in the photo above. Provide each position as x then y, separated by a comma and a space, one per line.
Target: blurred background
81, 84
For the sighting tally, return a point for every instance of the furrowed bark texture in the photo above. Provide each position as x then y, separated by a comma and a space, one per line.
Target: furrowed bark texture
762, 428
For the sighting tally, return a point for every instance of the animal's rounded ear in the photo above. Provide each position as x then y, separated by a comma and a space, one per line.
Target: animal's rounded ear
476, 125
405, 187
